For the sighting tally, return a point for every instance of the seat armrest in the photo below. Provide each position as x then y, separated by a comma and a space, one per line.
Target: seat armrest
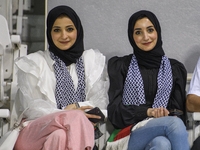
4, 113
196, 116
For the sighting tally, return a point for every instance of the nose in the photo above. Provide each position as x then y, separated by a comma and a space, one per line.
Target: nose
146, 36
64, 35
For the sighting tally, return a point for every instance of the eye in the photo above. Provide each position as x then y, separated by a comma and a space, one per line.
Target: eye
150, 30
138, 32
56, 30
70, 29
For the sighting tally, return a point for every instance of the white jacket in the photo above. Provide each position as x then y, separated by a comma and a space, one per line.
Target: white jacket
37, 82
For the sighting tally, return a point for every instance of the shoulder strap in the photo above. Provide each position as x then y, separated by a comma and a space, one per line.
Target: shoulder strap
16, 124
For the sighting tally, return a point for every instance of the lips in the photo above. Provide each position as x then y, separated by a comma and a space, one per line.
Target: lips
64, 42
147, 43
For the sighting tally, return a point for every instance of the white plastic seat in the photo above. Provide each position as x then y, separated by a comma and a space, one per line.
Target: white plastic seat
6, 61
10, 49
195, 125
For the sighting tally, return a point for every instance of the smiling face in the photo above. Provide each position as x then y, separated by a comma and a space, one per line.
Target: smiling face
144, 34
63, 33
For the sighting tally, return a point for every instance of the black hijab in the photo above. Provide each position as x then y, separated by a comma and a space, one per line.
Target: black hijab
70, 55
152, 58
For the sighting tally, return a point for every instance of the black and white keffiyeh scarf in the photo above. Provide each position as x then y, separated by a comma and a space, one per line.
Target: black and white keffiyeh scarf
133, 93
65, 92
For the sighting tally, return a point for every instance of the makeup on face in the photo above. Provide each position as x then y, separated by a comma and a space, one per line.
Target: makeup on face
144, 34
63, 33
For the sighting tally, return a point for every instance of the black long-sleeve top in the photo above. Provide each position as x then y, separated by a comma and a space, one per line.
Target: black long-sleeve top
121, 115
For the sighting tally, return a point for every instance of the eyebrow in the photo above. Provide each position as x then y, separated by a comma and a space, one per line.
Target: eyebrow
60, 27
141, 28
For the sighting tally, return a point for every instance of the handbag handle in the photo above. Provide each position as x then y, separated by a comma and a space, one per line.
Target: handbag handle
17, 124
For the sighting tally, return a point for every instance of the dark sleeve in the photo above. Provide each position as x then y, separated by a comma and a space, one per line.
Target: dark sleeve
120, 115
178, 95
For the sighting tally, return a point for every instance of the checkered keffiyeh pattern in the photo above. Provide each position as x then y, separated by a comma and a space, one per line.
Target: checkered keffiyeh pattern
65, 92
133, 93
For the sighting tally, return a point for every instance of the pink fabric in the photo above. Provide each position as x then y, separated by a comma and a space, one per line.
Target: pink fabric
65, 130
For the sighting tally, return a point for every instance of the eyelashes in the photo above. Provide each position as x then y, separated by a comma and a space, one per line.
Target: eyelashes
138, 32
67, 29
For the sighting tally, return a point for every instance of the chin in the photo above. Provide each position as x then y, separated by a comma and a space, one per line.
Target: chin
64, 48
146, 50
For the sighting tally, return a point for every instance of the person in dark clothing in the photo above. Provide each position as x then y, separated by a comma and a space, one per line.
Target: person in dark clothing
145, 86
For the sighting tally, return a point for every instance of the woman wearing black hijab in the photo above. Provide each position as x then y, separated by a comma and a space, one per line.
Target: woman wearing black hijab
144, 87
57, 85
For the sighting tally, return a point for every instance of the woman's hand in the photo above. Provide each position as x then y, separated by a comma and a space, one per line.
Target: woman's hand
83, 108
157, 112
71, 106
